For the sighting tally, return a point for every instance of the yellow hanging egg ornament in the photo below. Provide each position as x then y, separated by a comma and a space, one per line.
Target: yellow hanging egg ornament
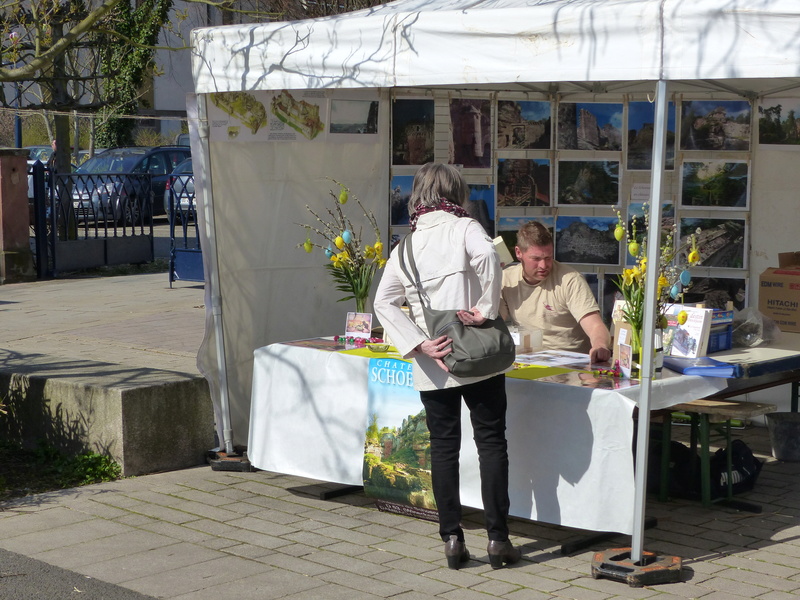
619, 233
633, 248
307, 246
339, 242
343, 195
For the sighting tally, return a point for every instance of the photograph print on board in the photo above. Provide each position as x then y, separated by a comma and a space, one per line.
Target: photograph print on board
589, 126
715, 125
412, 131
717, 292
399, 196
471, 131
778, 121
714, 184
637, 229
481, 206
354, 116
586, 240
641, 123
588, 182
507, 227
720, 242
523, 125
523, 182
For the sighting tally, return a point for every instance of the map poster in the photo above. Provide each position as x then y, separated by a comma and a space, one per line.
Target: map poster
397, 448
258, 116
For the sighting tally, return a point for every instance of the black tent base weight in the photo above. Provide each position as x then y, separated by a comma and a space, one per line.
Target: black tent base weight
652, 569
236, 461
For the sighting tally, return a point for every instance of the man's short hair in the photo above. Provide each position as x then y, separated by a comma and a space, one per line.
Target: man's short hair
533, 233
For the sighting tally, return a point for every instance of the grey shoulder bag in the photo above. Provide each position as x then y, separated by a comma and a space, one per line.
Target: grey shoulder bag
477, 350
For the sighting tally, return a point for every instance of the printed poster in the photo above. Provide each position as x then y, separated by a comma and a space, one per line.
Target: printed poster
397, 447
261, 116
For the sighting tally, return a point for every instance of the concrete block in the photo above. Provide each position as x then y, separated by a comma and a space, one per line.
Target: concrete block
146, 420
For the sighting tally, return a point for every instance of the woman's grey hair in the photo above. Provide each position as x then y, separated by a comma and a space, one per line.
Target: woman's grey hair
435, 181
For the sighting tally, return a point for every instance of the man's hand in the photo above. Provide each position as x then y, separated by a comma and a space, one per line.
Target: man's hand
601, 354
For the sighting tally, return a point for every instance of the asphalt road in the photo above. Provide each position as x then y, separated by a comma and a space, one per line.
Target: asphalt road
23, 578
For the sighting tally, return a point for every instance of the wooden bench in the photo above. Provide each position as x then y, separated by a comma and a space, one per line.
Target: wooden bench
708, 414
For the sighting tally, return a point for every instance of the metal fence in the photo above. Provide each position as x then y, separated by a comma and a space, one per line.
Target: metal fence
185, 257
89, 220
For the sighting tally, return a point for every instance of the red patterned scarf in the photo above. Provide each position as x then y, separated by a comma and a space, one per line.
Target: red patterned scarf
445, 205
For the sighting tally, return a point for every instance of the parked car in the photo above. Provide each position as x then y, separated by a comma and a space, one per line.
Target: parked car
181, 184
112, 184
41, 153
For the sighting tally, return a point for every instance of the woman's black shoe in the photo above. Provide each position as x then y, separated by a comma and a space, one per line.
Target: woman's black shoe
502, 552
456, 552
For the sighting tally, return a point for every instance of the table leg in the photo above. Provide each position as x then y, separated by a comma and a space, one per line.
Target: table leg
666, 440
705, 461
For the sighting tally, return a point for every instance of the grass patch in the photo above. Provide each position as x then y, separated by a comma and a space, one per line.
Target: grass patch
44, 469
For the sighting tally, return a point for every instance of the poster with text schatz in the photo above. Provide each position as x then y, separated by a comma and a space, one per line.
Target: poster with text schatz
256, 116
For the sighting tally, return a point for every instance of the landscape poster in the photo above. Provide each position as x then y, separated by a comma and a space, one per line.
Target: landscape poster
523, 125
471, 133
641, 123
588, 182
412, 131
590, 126
720, 242
714, 184
397, 444
586, 240
715, 125
779, 122
523, 182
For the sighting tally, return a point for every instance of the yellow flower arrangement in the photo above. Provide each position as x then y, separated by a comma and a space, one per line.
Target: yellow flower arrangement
351, 264
672, 281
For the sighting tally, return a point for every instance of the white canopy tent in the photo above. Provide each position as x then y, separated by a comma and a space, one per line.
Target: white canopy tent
261, 289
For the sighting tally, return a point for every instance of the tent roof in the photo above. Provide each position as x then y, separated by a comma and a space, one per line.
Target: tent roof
741, 44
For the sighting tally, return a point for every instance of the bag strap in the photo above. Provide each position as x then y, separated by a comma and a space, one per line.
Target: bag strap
413, 275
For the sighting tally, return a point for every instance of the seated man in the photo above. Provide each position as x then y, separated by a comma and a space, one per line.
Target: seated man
542, 293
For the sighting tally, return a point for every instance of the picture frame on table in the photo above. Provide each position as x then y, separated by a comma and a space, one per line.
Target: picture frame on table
358, 325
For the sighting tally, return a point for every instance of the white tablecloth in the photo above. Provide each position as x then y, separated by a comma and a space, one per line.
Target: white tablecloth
570, 448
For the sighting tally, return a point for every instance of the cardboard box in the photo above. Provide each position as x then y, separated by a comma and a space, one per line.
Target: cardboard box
779, 292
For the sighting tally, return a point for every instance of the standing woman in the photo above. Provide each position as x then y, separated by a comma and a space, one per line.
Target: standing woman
459, 269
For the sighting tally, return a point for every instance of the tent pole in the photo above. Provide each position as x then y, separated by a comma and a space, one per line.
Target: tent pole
213, 279
648, 325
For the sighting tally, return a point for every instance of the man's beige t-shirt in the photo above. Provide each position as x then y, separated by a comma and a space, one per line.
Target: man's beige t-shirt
555, 306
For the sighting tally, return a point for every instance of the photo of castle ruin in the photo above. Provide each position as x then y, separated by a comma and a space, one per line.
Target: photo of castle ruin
587, 240
470, 133
523, 125
397, 462
637, 227
412, 132
714, 184
588, 182
589, 126
523, 182
641, 119
715, 125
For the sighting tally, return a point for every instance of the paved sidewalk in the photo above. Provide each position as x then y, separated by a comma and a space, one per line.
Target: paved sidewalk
198, 534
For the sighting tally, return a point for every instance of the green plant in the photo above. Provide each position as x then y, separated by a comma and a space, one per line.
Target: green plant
352, 266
